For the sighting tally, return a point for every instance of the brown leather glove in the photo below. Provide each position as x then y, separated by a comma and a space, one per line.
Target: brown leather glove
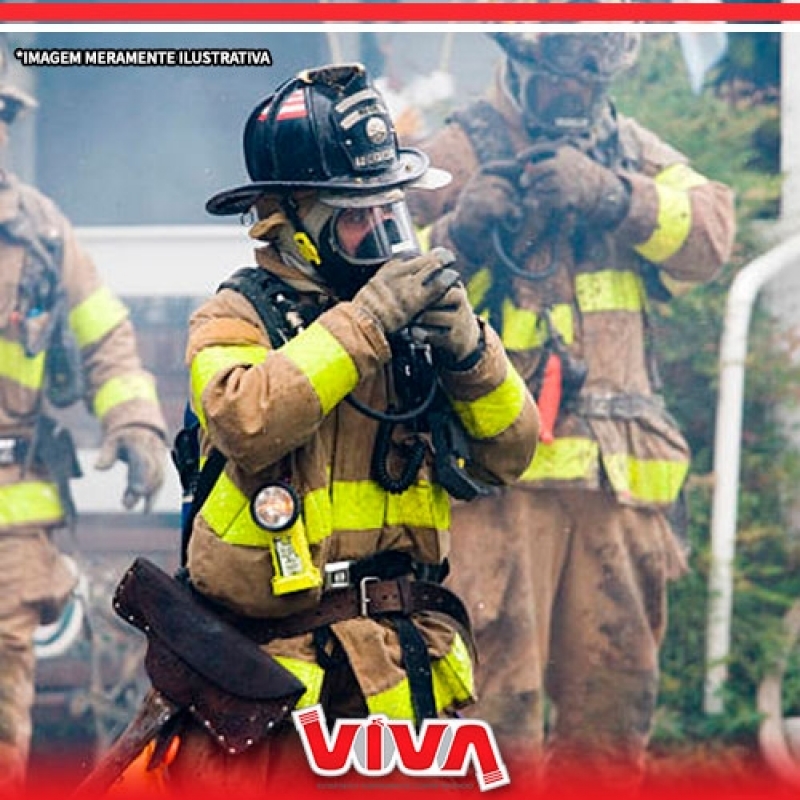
486, 202
144, 451
564, 180
451, 327
401, 290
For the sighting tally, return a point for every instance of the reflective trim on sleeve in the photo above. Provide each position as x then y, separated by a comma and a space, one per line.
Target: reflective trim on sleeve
674, 213
18, 367
646, 480
495, 412
29, 502
96, 316
211, 360
309, 674
609, 290
121, 389
566, 459
319, 355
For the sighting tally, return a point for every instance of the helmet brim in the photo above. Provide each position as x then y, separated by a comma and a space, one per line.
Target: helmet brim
411, 170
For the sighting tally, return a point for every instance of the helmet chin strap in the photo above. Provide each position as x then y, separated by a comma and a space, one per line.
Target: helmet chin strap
306, 244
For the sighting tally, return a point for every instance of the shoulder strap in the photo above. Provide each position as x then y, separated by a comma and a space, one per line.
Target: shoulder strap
271, 297
266, 292
487, 131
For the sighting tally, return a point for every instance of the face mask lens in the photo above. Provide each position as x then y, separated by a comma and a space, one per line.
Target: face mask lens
372, 236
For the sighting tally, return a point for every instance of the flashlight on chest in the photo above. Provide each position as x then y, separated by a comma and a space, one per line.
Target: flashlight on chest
275, 508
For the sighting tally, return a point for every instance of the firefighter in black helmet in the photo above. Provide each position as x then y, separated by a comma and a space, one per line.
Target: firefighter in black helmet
297, 373
569, 219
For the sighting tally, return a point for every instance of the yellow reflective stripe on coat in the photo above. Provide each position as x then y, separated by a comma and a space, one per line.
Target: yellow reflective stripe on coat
496, 411
478, 285
121, 389
330, 369
96, 316
16, 366
674, 213
609, 290
452, 684
357, 505
309, 674
211, 360
567, 459
525, 330
364, 506
29, 502
424, 238
646, 480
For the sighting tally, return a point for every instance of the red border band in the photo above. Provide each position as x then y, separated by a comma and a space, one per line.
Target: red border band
487, 12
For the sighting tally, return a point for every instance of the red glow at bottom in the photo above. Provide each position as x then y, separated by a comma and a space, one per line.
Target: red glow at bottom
748, 779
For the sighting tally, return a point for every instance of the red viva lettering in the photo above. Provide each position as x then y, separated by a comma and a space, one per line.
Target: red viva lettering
378, 745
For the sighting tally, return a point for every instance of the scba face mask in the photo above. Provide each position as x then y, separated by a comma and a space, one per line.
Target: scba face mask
359, 235
554, 103
370, 236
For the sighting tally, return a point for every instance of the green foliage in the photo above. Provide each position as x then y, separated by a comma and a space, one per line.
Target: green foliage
722, 137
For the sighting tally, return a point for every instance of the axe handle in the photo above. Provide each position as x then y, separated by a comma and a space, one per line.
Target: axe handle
154, 713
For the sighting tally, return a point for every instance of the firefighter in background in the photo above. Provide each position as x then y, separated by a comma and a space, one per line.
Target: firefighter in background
568, 220
326, 534
63, 337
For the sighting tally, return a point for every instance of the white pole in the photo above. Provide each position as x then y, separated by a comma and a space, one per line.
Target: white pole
727, 448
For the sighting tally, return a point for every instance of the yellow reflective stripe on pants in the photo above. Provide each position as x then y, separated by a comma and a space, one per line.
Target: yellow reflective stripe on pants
566, 459
452, 684
357, 505
674, 213
647, 480
211, 360
609, 290
496, 411
96, 316
16, 366
309, 674
121, 389
330, 369
29, 502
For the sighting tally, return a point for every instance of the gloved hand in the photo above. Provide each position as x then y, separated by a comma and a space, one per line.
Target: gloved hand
144, 451
564, 179
451, 327
487, 201
401, 290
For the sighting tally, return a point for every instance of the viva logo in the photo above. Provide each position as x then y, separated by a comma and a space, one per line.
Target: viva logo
377, 745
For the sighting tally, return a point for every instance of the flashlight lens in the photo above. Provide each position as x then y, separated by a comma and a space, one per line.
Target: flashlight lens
275, 507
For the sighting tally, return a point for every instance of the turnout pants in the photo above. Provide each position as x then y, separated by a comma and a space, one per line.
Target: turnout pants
34, 585
568, 593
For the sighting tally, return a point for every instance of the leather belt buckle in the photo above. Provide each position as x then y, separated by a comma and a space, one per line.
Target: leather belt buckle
337, 576
363, 597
